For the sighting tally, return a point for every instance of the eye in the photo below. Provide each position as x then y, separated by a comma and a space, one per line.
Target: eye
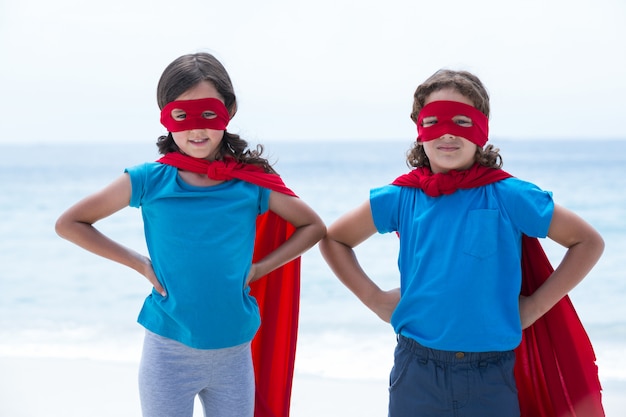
178, 114
429, 121
208, 115
463, 121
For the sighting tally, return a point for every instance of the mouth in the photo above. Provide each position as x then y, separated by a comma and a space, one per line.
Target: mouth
447, 148
198, 141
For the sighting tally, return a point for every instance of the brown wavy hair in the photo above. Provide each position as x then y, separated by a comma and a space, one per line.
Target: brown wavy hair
471, 87
184, 73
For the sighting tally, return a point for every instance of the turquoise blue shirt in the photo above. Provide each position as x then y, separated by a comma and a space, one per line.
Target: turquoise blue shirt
459, 261
200, 241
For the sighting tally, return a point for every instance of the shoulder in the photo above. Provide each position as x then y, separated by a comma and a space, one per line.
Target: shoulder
396, 195
150, 170
148, 167
387, 191
517, 187
516, 183
386, 204
527, 204
148, 176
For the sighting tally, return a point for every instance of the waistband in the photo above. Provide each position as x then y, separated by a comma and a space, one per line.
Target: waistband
447, 356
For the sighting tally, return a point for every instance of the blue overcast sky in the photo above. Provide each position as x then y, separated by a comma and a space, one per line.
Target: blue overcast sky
81, 71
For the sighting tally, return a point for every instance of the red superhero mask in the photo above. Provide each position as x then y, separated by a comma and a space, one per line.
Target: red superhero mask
445, 112
205, 113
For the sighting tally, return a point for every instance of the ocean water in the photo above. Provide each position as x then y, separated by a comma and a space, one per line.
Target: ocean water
61, 301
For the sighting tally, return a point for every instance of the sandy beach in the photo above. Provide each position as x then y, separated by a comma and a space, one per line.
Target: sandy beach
31, 387
55, 387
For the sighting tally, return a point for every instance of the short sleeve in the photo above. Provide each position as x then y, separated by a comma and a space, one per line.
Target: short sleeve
529, 207
264, 199
384, 203
137, 183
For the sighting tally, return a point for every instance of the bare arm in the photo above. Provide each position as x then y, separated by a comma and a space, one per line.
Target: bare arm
76, 225
584, 247
309, 230
337, 248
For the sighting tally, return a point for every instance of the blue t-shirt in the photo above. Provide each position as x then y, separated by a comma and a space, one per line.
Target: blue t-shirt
200, 241
460, 260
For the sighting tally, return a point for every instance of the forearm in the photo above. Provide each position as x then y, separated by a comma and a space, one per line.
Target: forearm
345, 265
337, 248
576, 264
89, 238
303, 239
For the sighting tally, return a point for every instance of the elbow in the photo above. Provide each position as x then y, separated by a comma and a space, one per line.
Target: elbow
316, 230
594, 242
321, 231
61, 226
599, 243
328, 246
64, 226
591, 245
594, 248
323, 246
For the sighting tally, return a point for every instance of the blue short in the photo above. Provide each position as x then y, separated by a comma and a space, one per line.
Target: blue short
428, 382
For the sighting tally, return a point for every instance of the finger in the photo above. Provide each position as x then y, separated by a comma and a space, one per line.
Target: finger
160, 289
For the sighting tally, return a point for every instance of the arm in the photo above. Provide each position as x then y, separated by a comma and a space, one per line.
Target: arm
309, 230
584, 247
76, 225
337, 248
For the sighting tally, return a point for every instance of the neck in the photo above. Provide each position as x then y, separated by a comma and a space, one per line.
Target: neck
197, 180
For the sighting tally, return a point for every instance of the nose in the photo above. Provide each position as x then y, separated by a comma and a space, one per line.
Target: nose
194, 133
447, 136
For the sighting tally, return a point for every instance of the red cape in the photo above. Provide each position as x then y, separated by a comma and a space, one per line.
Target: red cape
278, 293
555, 367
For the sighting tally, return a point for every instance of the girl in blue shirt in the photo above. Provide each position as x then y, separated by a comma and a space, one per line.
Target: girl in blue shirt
200, 231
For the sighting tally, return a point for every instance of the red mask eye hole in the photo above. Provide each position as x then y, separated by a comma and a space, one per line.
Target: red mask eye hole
178, 114
429, 121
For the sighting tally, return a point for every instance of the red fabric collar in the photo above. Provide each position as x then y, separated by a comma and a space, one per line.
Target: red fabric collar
227, 169
435, 185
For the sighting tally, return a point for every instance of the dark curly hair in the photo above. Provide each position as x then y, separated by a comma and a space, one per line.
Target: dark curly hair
184, 73
471, 87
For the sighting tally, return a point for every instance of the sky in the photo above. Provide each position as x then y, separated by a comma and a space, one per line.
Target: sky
77, 71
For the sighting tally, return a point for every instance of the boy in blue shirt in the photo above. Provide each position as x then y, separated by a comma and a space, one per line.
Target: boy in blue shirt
461, 220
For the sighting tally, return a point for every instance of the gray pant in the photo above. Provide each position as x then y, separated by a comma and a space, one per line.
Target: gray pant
172, 374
